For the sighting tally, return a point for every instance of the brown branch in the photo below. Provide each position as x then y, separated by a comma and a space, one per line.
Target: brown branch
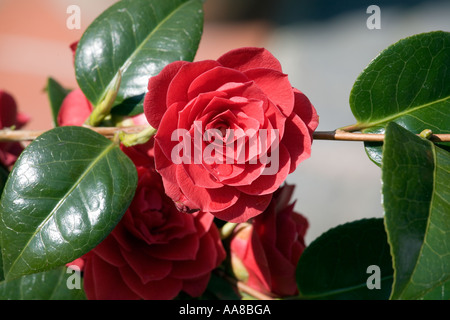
369, 137
7, 135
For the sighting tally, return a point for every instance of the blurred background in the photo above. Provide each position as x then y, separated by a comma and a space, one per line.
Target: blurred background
322, 45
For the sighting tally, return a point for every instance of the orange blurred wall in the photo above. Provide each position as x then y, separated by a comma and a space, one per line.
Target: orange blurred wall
35, 39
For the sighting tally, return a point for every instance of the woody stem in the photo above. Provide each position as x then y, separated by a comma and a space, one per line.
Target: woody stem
7, 135
369, 137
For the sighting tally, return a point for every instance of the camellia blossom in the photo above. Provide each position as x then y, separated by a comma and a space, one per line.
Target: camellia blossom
265, 252
10, 117
155, 251
244, 91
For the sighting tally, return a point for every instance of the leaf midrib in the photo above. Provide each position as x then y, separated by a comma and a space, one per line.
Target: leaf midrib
128, 61
58, 205
56, 286
342, 290
366, 125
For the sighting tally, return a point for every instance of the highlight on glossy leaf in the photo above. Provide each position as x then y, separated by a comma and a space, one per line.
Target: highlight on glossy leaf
407, 83
67, 191
139, 37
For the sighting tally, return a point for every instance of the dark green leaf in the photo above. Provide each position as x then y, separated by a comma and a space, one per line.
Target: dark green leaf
56, 94
220, 289
335, 265
139, 37
407, 83
58, 284
416, 193
67, 191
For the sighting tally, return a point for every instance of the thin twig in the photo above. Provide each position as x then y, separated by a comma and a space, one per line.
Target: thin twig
7, 135
369, 137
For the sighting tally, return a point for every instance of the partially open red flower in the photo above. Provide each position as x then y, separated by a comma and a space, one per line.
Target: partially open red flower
155, 251
229, 131
265, 252
75, 109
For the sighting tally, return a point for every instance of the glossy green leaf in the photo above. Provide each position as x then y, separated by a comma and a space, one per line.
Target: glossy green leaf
58, 284
138, 37
416, 193
67, 191
335, 266
56, 94
408, 83
220, 289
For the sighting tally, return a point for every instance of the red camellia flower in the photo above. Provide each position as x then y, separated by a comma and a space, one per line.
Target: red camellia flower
229, 131
265, 252
10, 117
155, 251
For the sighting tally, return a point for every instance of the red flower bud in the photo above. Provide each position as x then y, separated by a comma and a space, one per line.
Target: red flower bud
269, 248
